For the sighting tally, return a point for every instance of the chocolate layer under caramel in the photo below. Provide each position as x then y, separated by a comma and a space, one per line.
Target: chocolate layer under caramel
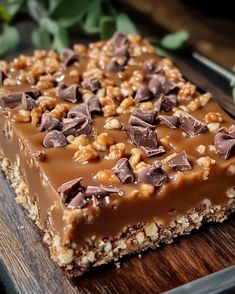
111, 151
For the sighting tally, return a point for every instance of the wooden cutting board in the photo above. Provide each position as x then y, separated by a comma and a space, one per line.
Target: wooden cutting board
25, 265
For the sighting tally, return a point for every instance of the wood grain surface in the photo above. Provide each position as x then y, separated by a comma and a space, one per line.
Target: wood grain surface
25, 265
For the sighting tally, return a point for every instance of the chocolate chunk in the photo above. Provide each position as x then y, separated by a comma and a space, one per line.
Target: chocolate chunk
153, 175
144, 138
170, 121
80, 110
179, 162
77, 202
49, 123
143, 94
69, 57
27, 103
123, 171
114, 66
85, 129
54, 139
70, 128
92, 84
166, 102
119, 39
224, 144
121, 51
192, 126
231, 130
10, 100
149, 116
70, 93
2, 77
101, 191
33, 93
136, 121
94, 105
159, 84
150, 68
70, 189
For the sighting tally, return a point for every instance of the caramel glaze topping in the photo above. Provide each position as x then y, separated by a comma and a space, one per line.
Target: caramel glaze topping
52, 152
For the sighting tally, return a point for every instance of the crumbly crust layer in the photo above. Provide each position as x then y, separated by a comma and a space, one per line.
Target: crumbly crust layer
132, 239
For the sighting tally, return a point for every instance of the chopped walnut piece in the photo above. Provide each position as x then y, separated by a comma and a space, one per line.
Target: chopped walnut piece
60, 111
125, 105
201, 149
23, 116
146, 190
205, 161
213, 117
106, 176
81, 140
213, 127
112, 124
146, 105
46, 102
231, 169
36, 114
186, 92
85, 153
135, 157
231, 192
116, 151
109, 110
103, 141
141, 165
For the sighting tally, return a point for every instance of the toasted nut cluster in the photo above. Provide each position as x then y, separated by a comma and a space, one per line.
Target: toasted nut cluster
126, 89
112, 124
116, 151
125, 105
212, 148
60, 111
85, 153
103, 141
140, 166
231, 170
231, 192
151, 231
205, 161
23, 116
106, 176
109, 107
113, 92
201, 149
146, 105
146, 190
213, 127
213, 117
46, 102
186, 92
135, 157
36, 114
199, 102
81, 140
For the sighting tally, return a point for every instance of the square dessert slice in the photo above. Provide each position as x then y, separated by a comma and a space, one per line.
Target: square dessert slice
111, 151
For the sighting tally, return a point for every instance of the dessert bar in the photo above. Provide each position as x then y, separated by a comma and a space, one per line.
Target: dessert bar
111, 151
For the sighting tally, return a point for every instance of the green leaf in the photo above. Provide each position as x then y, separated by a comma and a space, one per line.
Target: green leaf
175, 40
9, 39
161, 52
41, 39
67, 13
232, 82
4, 14
13, 6
125, 24
91, 22
107, 27
61, 39
233, 93
49, 25
36, 9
